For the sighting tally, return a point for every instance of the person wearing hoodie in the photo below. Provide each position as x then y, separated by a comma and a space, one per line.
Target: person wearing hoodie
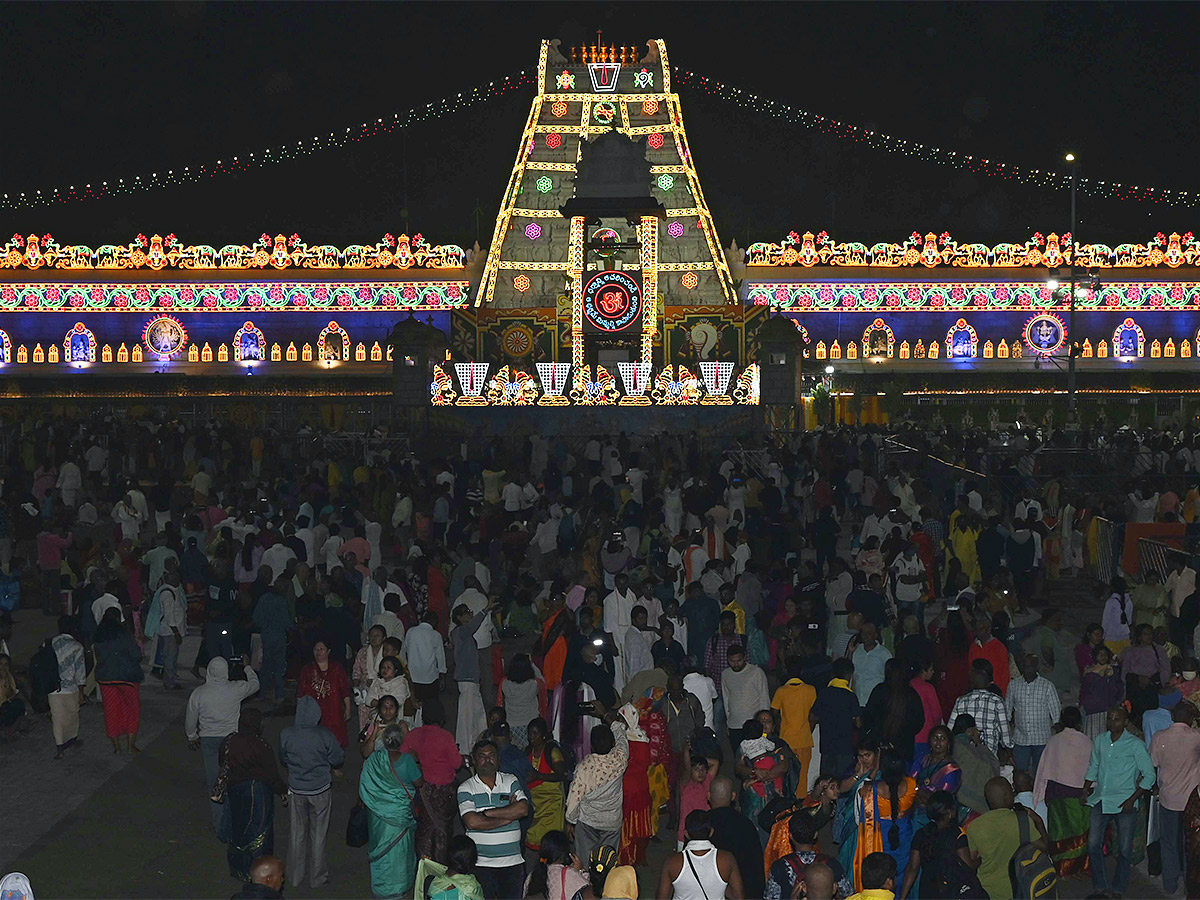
212, 714
311, 754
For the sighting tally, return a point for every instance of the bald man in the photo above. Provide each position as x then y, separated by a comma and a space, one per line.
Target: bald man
994, 837
732, 831
819, 882
266, 880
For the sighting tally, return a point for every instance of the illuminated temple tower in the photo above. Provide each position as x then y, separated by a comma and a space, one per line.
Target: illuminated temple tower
603, 225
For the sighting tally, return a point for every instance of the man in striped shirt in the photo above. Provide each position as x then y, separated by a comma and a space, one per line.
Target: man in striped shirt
492, 804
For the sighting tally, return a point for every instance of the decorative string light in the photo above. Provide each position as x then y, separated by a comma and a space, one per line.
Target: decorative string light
234, 164
880, 141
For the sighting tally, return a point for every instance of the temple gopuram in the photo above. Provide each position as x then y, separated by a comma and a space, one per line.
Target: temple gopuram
605, 282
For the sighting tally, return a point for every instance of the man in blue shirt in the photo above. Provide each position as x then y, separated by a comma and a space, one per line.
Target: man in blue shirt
1119, 775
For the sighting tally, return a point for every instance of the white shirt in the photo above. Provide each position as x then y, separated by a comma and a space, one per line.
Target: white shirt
330, 553
106, 602
1181, 586
908, 593
276, 557
174, 610
425, 653
477, 601
96, 457
511, 494
704, 689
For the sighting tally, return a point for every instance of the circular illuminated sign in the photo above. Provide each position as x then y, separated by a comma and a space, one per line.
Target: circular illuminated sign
1045, 333
612, 301
605, 236
164, 336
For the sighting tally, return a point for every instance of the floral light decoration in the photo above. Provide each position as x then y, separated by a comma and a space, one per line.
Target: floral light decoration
249, 343
544, 184
553, 140
559, 108
512, 387
655, 140
79, 345
327, 343
689, 280
665, 182
604, 112
522, 283
675, 230
649, 107
533, 231
565, 81
643, 79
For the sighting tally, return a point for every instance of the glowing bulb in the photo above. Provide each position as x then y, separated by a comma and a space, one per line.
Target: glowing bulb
829, 370
1070, 157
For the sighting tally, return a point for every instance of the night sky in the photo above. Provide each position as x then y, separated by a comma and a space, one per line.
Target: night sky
105, 91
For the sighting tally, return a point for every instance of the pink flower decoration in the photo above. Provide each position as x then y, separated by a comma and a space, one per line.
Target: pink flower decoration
97, 294
122, 302
1111, 301
53, 295
276, 293
321, 293
913, 294
10, 295
1177, 293
187, 295
410, 292
31, 301
937, 301
300, 300
142, 295
1156, 300
254, 299
231, 293
1134, 292
1001, 292
781, 294
1044, 293
826, 294
454, 292
892, 300
871, 295
849, 301
76, 301
804, 302
980, 300
165, 301
210, 302
364, 293
1024, 300
389, 299
343, 300
957, 293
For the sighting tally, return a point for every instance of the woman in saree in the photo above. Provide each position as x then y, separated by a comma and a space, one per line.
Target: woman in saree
366, 670
654, 723
845, 824
933, 772
388, 787
387, 712
978, 765
883, 809
549, 772
550, 650
762, 767
252, 779
636, 801
1059, 784
325, 680
1100, 688
454, 882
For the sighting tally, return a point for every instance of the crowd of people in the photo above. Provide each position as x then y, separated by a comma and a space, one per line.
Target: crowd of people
819, 668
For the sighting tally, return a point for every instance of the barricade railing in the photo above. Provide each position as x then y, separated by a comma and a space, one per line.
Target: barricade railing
1102, 555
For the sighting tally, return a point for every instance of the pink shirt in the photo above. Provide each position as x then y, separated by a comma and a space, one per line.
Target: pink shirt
1176, 753
929, 703
693, 796
436, 752
49, 550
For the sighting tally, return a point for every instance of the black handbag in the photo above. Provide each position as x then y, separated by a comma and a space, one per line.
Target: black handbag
356, 827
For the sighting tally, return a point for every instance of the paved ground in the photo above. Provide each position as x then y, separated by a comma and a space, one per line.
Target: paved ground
99, 825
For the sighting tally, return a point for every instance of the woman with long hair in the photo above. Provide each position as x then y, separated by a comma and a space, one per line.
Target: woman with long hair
951, 661
935, 771
1100, 689
939, 855
366, 669
894, 713
884, 811
119, 674
762, 766
522, 696
550, 649
325, 680
845, 823
388, 787
252, 780
977, 763
558, 873
546, 780
1059, 785
386, 712
1085, 651
456, 881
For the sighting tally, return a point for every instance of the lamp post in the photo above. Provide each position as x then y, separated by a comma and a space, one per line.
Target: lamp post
1072, 409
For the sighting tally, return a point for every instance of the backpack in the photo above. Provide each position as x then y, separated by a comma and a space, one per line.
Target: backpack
43, 670
1031, 871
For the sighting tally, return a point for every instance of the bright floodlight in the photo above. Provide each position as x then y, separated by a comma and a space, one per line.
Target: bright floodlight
1052, 284
829, 370
1070, 157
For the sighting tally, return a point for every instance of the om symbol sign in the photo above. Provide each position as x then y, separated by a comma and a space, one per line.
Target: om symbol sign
611, 301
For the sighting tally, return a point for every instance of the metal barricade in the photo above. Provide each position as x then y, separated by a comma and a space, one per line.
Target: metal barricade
1159, 557
1102, 558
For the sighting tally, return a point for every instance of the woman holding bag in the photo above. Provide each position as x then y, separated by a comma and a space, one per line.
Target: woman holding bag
388, 788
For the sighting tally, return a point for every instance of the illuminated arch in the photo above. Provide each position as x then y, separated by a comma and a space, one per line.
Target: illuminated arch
5, 347
961, 341
164, 336
873, 329
1128, 340
249, 343
1045, 333
79, 345
327, 343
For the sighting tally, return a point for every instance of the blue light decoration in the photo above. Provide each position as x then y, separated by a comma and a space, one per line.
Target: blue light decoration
333, 343
1045, 333
165, 337
79, 344
5, 348
961, 341
249, 343
1128, 340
